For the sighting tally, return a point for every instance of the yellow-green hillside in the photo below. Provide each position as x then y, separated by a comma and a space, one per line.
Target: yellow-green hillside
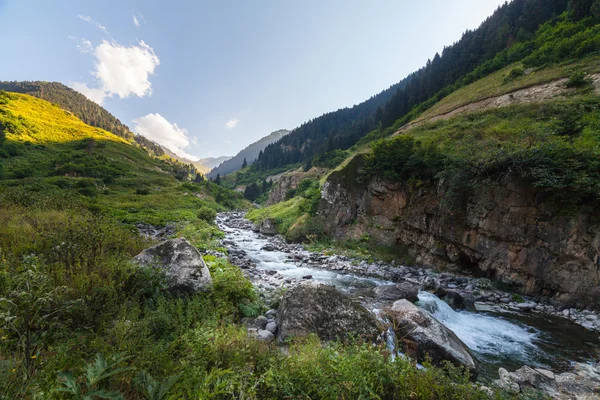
29, 119
51, 158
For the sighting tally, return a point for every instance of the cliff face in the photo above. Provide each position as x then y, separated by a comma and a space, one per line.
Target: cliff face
507, 232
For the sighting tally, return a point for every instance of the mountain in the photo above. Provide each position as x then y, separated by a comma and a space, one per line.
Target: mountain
83, 108
468, 179
250, 153
212, 162
203, 165
461, 63
49, 156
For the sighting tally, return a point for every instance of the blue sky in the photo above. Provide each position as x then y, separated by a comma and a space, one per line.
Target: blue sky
206, 78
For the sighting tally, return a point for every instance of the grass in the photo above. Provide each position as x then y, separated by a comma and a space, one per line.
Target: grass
285, 213
495, 85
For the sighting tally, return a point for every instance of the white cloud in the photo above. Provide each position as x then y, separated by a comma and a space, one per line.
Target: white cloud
90, 20
121, 70
83, 45
232, 123
97, 95
136, 22
156, 127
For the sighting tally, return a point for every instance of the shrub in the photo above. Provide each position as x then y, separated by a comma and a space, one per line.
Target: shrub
207, 214
578, 80
514, 74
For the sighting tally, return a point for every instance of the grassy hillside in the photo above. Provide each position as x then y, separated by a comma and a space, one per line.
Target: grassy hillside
78, 319
47, 150
551, 142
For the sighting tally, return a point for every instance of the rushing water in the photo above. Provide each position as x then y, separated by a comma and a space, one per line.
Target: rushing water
498, 340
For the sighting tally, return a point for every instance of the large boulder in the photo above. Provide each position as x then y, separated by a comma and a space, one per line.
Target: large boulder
315, 307
268, 227
404, 290
183, 264
423, 336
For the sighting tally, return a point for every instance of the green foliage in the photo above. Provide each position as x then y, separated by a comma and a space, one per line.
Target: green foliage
96, 374
152, 389
554, 146
30, 311
578, 80
330, 159
514, 74
207, 214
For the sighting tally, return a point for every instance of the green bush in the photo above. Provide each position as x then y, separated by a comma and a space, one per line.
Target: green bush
578, 80
514, 74
207, 214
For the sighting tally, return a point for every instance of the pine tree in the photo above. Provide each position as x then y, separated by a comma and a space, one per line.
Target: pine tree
244, 164
218, 179
199, 178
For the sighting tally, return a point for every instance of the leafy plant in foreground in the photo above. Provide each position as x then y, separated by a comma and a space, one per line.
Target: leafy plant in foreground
152, 389
96, 375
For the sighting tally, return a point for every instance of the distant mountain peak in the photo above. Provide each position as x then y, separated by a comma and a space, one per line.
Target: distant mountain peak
250, 153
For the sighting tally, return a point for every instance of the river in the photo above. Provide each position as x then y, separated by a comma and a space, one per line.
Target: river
498, 339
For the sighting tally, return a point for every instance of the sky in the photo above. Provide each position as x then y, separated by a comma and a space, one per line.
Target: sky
207, 78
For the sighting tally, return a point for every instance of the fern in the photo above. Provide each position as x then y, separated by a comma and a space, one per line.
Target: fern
151, 389
95, 373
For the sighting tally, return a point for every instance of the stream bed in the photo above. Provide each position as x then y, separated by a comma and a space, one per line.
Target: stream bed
508, 339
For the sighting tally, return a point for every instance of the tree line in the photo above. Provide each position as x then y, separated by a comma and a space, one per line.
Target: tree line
512, 22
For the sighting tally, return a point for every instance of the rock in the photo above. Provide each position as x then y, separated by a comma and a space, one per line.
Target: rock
479, 306
272, 327
425, 336
307, 277
268, 247
459, 301
315, 307
431, 283
268, 227
271, 313
507, 382
261, 322
528, 306
183, 264
404, 290
546, 373
265, 336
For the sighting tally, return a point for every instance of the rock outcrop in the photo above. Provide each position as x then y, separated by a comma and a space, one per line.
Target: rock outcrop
315, 307
184, 266
290, 181
424, 336
582, 383
508, 232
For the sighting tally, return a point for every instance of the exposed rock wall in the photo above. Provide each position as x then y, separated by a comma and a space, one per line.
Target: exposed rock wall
507, 232
283, 183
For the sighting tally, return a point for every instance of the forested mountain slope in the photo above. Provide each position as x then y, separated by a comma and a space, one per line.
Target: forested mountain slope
250, 154
463, 62
498, 177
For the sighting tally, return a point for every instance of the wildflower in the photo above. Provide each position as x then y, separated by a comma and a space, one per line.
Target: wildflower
33, 357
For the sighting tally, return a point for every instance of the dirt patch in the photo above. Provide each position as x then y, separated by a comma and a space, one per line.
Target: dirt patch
534, 94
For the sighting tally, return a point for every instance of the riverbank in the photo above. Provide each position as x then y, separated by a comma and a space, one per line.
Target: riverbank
503, 329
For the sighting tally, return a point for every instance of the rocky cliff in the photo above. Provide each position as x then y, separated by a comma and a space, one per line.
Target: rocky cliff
508, 231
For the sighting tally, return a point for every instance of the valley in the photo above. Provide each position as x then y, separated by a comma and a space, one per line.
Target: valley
439, 240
